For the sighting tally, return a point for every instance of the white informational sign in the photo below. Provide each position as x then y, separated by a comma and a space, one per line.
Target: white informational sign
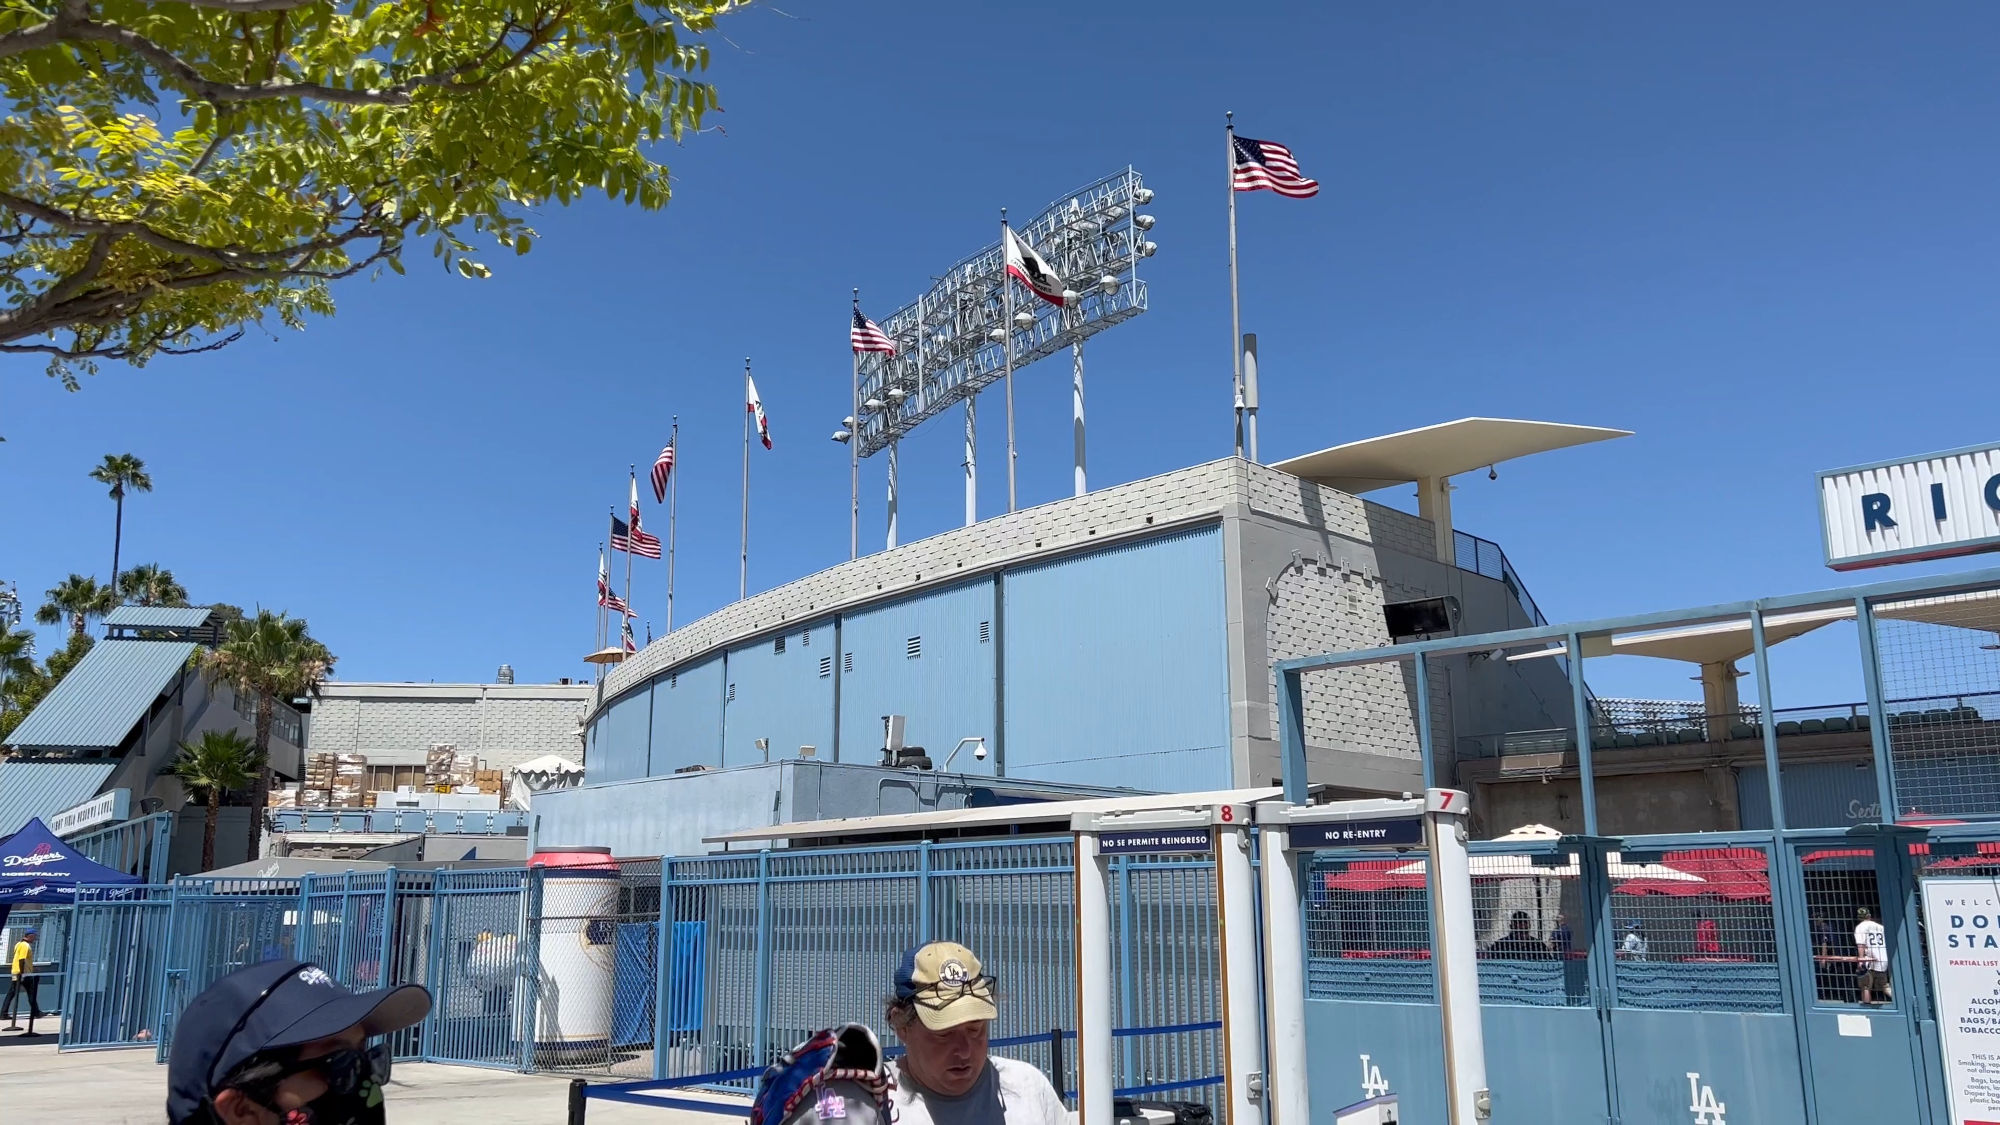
1962, 921
1929, 507
112, 808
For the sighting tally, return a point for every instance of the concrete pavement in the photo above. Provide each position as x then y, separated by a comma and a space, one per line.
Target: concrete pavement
126, 1087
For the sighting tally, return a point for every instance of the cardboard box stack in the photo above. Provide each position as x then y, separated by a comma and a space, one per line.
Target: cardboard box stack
437, 766
490, 781
283, 798
350, 780
317, 792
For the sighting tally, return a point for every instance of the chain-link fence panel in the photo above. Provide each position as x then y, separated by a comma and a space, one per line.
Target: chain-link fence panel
1941, 695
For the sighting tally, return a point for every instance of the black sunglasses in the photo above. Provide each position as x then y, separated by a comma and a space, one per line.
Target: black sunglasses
945, 992
345, 1072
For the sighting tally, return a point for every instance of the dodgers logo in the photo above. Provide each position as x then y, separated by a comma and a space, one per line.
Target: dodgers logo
40, 857
953, 972
313, 974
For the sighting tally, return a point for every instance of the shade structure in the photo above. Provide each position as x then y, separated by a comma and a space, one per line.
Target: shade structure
1730, 874
36, 867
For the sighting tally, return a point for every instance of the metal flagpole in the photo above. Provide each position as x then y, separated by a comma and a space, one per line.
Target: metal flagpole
1235, 306
673, 510
631, 533
854, 450
892, 488
1076, 407
743, 572
1007, 327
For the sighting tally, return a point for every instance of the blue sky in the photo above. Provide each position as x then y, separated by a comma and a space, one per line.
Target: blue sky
1763, 237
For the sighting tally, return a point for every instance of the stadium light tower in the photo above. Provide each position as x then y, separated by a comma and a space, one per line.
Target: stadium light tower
952, 341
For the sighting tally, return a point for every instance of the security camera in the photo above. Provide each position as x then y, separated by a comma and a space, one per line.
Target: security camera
979, 751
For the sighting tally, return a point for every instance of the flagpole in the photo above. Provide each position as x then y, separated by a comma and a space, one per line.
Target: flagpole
602, 566
1007, 326
743, 571
971, 459
673, 506
1235, 306
632, 533
854, 448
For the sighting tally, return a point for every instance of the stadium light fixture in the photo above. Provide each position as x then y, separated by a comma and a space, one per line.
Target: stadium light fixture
1144, 222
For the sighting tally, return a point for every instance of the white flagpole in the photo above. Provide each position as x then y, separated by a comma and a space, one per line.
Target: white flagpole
743, 572
1235, 307
1007, 326
673, 510
854, 449
631, 532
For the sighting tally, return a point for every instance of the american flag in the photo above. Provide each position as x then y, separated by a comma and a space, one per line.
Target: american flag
612, 601
633, 541
867, 337
1269, 166
663, 468
625, 635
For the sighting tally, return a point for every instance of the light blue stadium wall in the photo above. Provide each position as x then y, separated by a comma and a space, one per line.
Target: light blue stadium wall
687, 718
1116, 666
946, 693
780, 696
619, 739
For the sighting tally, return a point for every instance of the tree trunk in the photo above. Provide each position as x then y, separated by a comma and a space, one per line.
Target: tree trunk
260, 790
117, 540
208, 829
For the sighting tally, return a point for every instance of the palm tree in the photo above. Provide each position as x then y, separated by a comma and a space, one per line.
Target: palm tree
219, 760
149, 584
78, 599
270, 657
121, 471
17, 663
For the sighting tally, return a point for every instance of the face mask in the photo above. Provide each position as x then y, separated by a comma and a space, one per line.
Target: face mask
354, 1081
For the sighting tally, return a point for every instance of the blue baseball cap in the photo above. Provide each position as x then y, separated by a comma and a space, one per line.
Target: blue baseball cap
265, 1008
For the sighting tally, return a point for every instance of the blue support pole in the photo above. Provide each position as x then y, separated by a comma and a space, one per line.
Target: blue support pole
663, 983
1292, 733
385, 965
923, 891
1773, 777
1580, 713
1792, 922
1878, 713
530, 964
434, 963
1595, 884
761, 1003
1128, 969
1426, 751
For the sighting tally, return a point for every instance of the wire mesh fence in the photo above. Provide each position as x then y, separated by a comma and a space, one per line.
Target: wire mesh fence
1367, 929
596, 935
1940, 672
481, 952
1696, 931
1842, 893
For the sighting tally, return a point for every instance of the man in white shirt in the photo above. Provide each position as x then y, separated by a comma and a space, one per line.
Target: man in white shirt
1871, 946
941, 1009
1634, 946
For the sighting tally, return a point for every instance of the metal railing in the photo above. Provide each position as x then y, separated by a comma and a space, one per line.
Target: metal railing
476, 822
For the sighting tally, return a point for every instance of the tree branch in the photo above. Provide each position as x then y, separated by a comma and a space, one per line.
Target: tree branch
224, 256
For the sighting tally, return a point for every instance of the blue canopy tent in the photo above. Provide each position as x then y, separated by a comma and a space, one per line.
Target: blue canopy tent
36, 867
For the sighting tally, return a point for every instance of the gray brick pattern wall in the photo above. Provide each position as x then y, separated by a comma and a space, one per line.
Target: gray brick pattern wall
1320, 607
503, 731
1301, 501
1097, 517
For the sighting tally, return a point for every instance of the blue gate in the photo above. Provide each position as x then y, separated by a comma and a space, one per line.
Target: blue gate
116, 962
217, 927
481, 976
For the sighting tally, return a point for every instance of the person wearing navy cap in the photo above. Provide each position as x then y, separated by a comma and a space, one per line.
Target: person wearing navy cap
281, 1044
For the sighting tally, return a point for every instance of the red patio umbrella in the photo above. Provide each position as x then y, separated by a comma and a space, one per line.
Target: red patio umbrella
1731, 874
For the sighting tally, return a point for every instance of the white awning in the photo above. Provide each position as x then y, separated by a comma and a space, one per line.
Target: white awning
1443, 450
1716, 642
953, 820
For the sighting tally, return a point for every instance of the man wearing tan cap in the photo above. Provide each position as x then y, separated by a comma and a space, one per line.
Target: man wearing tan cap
942, 1009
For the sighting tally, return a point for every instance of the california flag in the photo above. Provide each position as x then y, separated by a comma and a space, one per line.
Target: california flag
1029, 268
756, 406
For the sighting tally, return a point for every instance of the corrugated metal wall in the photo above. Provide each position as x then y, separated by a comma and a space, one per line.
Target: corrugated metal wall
781, 689
1817, 795
687, 718
929, 658
1116, 666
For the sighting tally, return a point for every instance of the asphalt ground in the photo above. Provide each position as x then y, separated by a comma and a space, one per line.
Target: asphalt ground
39, 1084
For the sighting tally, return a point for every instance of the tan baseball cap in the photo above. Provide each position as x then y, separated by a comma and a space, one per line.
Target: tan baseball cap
946, 984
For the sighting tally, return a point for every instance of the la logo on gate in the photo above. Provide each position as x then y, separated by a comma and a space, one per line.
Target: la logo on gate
1702, 1103
1373, 1085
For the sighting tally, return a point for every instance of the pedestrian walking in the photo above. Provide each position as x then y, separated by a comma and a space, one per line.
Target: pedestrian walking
22, 983
942, 1008
279, 1043
1871, 945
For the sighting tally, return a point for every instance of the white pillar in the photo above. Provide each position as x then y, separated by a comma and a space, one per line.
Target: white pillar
971, 460
1457, 957
1236, 928
1434, 504
1076, 409
1093, 984
892, 494
1284, 981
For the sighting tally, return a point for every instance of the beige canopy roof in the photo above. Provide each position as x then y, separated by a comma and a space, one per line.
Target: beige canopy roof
1442, 450
1716, 642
